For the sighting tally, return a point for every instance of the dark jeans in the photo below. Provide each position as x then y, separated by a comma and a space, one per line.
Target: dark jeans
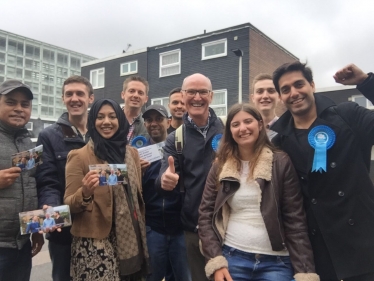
196, 260
15, 264
245, 266
60, 255
164, 250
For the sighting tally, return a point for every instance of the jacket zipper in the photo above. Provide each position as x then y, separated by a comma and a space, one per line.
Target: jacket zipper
219, 207
163, 211
21, 177
279, 224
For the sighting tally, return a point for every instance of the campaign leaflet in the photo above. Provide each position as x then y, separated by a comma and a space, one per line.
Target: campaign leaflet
152, 153
29, 159
110, 174
44, 220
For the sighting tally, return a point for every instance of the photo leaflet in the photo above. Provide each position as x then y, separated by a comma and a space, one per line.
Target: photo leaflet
152, 153
29, 159
110, 174
44, 220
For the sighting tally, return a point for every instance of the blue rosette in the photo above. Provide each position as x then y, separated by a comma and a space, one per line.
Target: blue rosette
215, 142
139, 142
321, 138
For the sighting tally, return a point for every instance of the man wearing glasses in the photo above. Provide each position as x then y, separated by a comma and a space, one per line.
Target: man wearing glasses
165, 238
187, 170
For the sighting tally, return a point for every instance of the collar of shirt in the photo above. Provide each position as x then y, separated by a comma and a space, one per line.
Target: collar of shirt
204, 130
272, 122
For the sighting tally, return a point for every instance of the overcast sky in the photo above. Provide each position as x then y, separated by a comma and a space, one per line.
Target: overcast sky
327, 33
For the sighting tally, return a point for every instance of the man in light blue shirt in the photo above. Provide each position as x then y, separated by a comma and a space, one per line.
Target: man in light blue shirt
48, 222
112, 179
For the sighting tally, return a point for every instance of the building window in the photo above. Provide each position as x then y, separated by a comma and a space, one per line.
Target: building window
62, 71
75, 63
129, 68
170, 63
163, 101
219, 102
362, 101
97, 78
48, 56
2, 58
31, 64
62, 59
29, 126
214, 49
2, 43
45, 125
32, 52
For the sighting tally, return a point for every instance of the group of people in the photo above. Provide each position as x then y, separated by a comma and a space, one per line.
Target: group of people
115, 177
252, 197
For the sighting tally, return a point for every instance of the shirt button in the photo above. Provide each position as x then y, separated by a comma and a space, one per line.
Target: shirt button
333, 165
314, 231
351, 222
59, 156
314, 201
341, 193
227, 189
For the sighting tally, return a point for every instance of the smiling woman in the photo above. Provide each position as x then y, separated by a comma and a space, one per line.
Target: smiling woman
253, 198
109, 219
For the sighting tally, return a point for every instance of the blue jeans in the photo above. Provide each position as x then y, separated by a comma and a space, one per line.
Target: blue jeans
245, 266
60, 255
15, 264
164, 249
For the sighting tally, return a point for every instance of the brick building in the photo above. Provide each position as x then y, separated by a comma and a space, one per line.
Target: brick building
210, 53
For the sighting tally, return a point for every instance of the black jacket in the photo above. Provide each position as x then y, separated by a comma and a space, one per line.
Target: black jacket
198, 156
339, 202
57, 140
162, 213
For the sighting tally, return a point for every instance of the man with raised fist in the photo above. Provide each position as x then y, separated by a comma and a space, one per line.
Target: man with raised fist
185, 171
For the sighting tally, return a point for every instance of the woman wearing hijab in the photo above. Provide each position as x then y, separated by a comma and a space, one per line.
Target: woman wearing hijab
108, 229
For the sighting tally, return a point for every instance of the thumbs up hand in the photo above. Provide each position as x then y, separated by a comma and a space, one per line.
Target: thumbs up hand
169, 178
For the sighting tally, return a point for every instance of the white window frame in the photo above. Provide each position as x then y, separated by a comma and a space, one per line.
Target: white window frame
96, 72
45, 125
169, 65
369, 105
162, 99
203, 45
31, 124
129, 72
213, 106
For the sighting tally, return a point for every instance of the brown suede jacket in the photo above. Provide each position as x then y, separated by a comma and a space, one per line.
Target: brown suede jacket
281, 208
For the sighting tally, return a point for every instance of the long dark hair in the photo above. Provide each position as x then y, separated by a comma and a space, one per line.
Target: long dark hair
228, 147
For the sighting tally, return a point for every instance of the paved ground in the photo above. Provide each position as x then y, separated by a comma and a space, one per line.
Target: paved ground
41, 265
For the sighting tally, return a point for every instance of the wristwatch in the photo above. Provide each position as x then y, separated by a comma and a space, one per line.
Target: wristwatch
87, 199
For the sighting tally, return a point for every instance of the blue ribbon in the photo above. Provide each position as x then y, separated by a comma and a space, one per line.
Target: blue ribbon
321, 138
139, 142
215, 142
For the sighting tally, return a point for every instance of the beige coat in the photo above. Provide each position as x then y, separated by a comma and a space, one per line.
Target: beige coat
94, 219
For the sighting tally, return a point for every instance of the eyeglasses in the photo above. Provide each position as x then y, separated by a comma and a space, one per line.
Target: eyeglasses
193, 92
158, 119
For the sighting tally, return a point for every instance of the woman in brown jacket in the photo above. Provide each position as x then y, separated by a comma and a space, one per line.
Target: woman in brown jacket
252, 223
108, 228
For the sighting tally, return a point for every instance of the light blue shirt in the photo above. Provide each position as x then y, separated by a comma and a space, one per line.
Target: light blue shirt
30, 164
48, 222
112, 180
